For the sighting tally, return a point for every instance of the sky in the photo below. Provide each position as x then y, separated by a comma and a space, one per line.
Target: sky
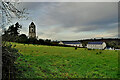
71, 20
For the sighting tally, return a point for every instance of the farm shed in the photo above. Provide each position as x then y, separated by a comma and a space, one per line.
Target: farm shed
71, 43
96, 45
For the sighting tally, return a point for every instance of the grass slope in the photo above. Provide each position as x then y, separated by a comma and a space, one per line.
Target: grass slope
66, 62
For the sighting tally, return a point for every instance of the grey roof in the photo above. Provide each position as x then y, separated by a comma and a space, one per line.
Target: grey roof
95, 42
72, 42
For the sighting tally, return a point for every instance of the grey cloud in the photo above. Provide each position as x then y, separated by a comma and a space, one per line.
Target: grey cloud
100, 27
63, 20
82, 14
69, 0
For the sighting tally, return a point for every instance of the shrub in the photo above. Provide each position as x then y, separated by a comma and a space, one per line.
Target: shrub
89, 49
100, 52
97, 53
9, 55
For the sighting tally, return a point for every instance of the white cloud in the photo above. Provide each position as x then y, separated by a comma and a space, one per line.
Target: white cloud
59, 21
69, 0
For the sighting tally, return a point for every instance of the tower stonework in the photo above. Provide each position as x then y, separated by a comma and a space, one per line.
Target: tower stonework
32, 30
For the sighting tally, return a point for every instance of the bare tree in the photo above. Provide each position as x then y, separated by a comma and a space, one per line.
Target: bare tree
9, 11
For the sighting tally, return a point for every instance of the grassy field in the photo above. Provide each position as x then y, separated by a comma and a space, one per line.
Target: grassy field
65, 62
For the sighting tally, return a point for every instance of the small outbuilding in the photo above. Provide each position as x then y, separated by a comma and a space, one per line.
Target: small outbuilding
71, 43
96, 45
109, 48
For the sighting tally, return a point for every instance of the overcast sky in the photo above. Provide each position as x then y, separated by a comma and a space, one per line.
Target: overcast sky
72, 20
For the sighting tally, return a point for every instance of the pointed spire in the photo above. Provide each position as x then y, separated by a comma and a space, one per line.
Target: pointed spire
32, 23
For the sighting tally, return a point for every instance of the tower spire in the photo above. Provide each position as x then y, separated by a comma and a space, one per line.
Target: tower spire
32, 30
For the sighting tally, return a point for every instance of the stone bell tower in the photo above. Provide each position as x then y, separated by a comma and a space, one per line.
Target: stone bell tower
32, 30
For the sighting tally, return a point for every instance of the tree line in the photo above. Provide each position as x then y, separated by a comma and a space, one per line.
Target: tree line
110, 42
12, 34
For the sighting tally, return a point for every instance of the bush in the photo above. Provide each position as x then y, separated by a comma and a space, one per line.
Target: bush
89, 49
9, 55
97, 53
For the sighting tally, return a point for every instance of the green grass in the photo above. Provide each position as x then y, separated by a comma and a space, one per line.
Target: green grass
65, 62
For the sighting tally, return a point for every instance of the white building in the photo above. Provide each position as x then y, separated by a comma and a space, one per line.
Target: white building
96, 45
109, 48
71, 43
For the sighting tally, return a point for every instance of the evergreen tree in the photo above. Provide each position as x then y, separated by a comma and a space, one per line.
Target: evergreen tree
12, 33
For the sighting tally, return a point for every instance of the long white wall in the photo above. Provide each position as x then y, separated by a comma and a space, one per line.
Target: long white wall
96, 46
78, 45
